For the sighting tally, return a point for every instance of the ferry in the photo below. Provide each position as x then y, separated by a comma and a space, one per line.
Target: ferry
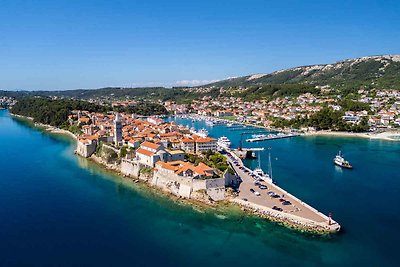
341, 162
223, 142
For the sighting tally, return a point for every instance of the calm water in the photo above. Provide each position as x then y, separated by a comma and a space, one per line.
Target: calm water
58, 209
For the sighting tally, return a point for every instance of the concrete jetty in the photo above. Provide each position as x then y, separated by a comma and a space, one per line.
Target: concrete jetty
298, 213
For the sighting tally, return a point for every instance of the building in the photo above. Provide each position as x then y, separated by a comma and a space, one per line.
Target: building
86, 146
117, 130
205, 144
188, 145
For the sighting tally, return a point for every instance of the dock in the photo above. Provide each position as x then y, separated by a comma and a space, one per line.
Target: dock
298, 213
271, 137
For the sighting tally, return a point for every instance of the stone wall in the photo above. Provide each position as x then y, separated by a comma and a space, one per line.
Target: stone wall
215, 188
230, 179
130, 168
177, 185
85, 150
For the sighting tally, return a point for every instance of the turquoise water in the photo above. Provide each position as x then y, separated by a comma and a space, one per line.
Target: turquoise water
58, 209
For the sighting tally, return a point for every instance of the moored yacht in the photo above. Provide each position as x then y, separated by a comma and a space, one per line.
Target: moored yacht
341, 162
223, 142
259, 173
202, 133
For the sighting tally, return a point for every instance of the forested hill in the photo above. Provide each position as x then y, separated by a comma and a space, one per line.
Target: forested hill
55, 112
345, 77
381, 72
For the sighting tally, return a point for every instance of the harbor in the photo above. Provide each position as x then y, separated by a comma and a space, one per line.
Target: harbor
266, 198
261, 195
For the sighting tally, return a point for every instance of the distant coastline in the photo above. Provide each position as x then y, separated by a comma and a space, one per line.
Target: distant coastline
387, 135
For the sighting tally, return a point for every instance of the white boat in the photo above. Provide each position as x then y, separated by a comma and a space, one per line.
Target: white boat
202, 133
259, 173
209, 123
259, 135
341, 162
223, 142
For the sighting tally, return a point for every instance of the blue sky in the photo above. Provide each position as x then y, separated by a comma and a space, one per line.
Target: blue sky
48, 45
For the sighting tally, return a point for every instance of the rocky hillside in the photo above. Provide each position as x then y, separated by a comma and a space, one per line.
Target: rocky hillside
381, 72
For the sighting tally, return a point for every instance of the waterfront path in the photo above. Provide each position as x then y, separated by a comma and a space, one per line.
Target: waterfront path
298, 210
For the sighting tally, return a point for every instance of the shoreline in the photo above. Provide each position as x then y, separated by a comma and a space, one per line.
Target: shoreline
46, 127
197, 204
386, 135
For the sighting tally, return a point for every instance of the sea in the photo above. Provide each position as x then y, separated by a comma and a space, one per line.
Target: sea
57, 209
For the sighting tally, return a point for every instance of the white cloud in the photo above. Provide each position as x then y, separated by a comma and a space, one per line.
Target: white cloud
194, 82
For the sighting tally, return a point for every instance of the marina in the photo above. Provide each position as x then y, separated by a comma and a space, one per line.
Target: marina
265, 197
258, 190
264, 137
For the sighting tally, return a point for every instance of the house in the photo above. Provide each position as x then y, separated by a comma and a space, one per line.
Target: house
184, 169
147, 154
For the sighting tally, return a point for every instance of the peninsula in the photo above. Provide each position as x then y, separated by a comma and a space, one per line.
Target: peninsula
183, 162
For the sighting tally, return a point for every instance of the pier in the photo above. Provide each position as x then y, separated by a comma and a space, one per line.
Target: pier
297, 213
271, 137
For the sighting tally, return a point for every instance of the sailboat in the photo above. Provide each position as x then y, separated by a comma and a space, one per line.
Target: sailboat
260, 173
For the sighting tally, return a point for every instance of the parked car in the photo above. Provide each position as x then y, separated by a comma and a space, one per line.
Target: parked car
277, 208
252, 190
245, 199
257, 193
286, 202
262, 187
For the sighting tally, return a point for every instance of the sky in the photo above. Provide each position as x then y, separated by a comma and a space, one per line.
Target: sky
69, 44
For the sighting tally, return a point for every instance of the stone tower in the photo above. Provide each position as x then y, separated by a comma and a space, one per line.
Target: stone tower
117, 130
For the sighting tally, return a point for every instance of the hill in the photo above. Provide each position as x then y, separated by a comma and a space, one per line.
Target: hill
382, 72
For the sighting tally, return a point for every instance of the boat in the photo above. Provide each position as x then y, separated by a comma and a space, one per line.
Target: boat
202, 133
341, 162
259, 135
223, 142
259, 173
263, 137
209, 123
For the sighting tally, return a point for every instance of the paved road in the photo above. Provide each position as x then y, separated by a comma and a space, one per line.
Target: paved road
296, 208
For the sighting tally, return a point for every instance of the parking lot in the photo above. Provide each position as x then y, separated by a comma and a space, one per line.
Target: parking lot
270, 195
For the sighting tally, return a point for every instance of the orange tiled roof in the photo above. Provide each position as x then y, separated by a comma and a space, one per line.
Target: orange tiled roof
150, 145
145, 152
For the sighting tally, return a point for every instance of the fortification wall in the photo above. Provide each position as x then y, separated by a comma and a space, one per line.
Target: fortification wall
130, 168
85, 150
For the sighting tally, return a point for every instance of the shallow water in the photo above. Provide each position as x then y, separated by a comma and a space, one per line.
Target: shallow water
59, 209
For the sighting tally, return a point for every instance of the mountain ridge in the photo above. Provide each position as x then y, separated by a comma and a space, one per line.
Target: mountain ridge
381, 69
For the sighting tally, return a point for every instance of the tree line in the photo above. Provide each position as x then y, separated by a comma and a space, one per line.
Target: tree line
325, 119
56, 112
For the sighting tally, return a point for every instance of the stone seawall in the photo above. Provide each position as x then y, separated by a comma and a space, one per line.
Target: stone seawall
130, 168
290, 220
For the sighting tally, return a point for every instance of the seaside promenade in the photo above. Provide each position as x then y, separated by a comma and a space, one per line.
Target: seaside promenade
298, 212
